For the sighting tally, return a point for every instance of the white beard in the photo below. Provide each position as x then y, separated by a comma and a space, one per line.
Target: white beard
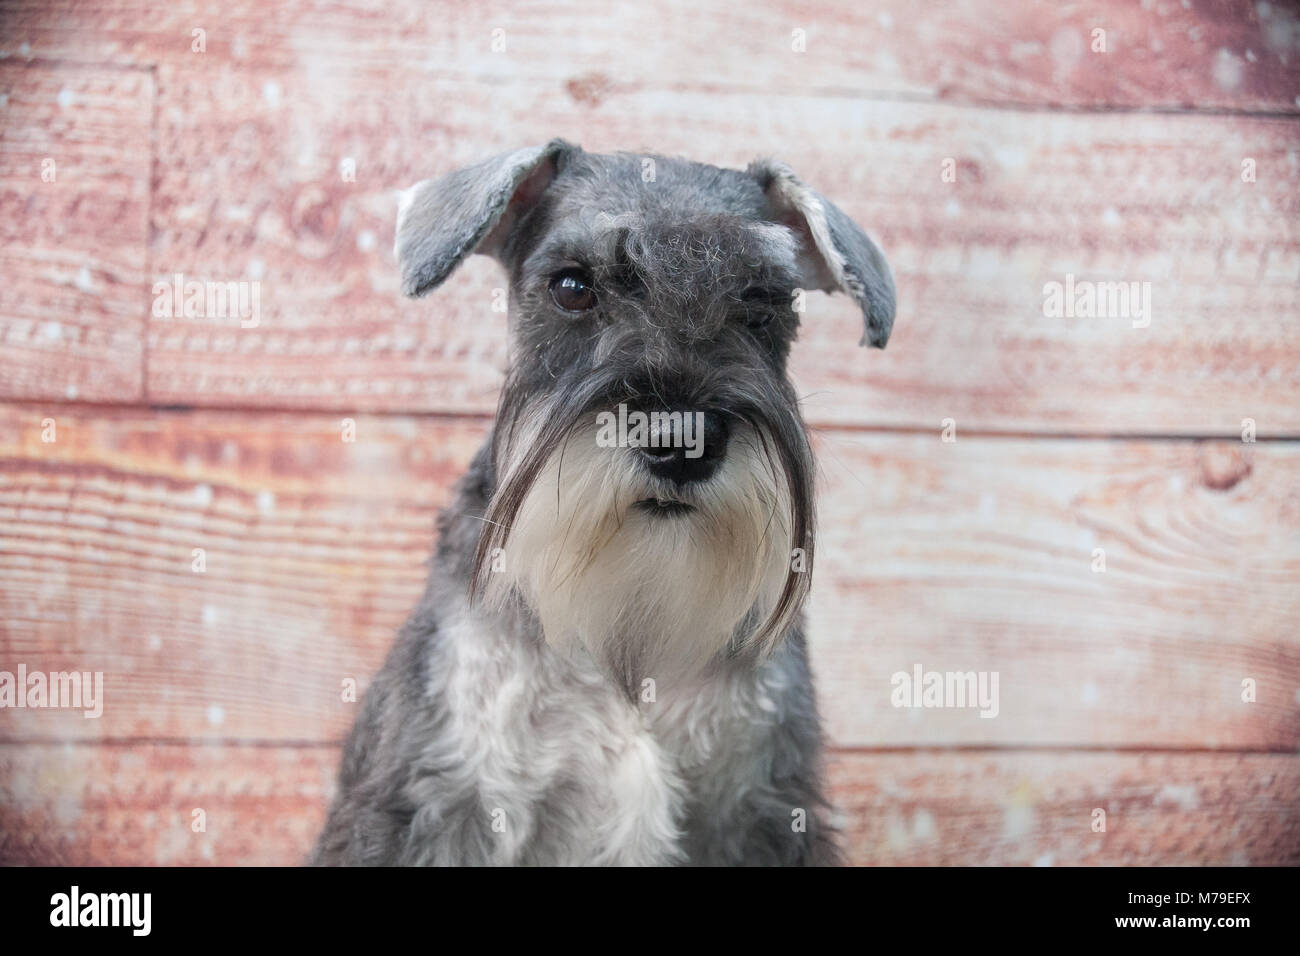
651, 596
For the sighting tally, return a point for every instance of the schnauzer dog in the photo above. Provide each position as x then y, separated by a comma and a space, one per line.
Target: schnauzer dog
608, 665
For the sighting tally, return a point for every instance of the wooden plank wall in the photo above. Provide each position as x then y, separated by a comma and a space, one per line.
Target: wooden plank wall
1120, 690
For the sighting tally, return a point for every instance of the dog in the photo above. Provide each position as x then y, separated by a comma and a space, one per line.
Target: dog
608, 665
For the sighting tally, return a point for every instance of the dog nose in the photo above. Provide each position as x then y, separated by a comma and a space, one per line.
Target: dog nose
691, 454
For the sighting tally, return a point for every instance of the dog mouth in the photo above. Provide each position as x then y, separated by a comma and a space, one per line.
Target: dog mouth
663, 507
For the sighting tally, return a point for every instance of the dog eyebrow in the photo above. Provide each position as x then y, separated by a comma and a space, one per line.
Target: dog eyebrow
556, 256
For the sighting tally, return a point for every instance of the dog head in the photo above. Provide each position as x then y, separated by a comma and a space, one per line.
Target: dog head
653, 483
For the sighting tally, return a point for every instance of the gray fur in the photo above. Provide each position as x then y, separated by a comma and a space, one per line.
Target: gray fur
441, 222
478, 742
852, 263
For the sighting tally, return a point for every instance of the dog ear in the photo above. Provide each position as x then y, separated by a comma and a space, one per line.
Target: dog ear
441, 221
837, 254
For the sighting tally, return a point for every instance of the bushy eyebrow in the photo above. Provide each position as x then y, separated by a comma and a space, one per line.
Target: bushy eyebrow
555, 256
600, 247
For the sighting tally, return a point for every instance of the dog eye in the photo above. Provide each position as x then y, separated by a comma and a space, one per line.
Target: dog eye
572, 291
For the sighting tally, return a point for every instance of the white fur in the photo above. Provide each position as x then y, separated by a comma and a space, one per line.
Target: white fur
521, 735
649, 596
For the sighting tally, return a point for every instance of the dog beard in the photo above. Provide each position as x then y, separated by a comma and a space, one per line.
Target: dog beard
649, 592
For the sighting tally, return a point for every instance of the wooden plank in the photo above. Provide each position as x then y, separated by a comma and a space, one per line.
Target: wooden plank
1039, 198
67, 805
119, 805
972, 556
978, 556
1037, 808
1210, 54
314, 554
74, 196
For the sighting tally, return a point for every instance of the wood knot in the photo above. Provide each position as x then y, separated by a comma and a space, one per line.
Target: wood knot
314, 219
589, 89
1223, 465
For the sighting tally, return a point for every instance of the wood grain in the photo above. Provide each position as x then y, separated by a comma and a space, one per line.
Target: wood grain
1038, 197
1210, 54
972, 556
978, 556
134, 806
263, 805
1119, 690
314, 553
935, 808
74, 196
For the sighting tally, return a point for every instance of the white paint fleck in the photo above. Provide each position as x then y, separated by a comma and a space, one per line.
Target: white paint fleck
203, 495
1067, 48
1183, 796
216, 715
25, 49
1280, 34
51, 331
155, 642
1227, 70
885, 20
271, 93
952, 209
1010, 156
923, 827
209, 614
1045, 859
1111, 216
84, 282
1018, 821
71, 391
366, 240
265, 501
896, 834
256, 269
66, 98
